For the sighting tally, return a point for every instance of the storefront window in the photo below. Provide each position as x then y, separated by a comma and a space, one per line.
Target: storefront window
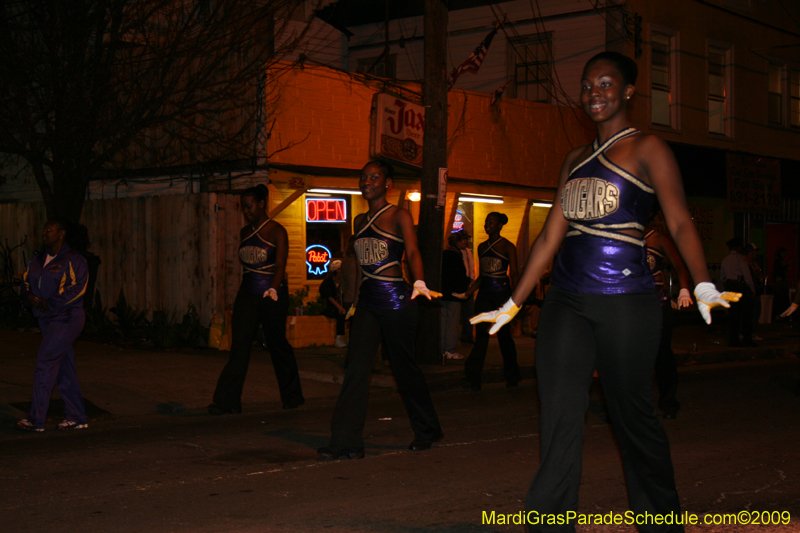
327, 230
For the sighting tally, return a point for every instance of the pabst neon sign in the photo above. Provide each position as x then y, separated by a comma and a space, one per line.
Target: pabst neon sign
458, 222
318, 258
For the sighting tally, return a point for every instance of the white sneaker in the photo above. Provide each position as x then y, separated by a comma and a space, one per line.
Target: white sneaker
453, 355
339, 342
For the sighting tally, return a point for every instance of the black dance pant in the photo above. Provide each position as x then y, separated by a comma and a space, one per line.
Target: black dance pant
740, 315
473, 366
666, 366
250, 310
334, 314
619, 336
369, 327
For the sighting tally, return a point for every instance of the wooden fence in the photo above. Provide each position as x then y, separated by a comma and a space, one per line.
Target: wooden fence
165, 252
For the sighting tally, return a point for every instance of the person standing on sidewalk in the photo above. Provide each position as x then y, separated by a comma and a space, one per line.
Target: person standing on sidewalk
263, 298
497, 260
793, 306
601, 311
385, 310
757, 273
454, 280
468, 304
735, 274
329, 291
53, 287
658, 246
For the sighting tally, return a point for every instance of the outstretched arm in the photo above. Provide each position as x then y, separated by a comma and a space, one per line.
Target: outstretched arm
413, 257
660, 166
542, 252
549, 240
513, 265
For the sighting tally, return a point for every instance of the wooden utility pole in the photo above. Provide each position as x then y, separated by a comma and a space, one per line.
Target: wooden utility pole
434, 149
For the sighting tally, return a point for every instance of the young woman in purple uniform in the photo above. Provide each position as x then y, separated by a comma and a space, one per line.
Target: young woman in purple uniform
602, 311
385, 310
263, 298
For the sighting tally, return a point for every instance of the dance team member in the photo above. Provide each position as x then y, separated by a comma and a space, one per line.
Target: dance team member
263, 298
497, 258
602, 311
385, 309
53, 287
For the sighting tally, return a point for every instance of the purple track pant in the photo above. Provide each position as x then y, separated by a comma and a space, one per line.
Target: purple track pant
55, 366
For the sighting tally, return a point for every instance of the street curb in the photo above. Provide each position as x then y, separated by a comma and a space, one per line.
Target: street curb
375, 380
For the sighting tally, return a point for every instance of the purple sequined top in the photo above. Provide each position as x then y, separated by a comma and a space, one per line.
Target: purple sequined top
378, 251
600, 199
494, 270
257, 256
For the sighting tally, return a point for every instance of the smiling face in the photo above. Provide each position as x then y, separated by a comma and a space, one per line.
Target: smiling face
252, 208
52, 234
604, 93
373, 182
492, 225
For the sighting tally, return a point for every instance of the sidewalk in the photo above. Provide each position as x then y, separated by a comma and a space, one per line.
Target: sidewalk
128, 382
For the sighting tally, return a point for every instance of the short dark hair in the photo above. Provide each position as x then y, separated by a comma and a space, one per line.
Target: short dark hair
624, 64
386, 168
735, 242
259, 192
75, 235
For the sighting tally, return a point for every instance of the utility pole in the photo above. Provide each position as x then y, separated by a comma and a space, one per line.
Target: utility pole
434, 150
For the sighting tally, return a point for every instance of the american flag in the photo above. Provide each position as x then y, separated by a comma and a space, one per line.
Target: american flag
473, 62
498, 93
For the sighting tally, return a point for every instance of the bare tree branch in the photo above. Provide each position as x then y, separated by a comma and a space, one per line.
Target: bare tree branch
90, 85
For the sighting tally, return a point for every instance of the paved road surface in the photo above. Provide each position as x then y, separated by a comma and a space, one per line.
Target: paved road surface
735, 447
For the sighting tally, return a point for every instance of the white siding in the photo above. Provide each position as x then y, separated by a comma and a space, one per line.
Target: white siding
578, 32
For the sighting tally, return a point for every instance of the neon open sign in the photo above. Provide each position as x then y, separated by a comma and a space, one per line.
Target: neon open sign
326, 210
318, 258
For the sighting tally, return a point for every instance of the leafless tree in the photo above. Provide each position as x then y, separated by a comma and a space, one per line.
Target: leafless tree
98, 86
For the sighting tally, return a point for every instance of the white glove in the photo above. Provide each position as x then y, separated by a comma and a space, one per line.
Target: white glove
792, 308
709, 297
271, 293
500, 317
684, 298
459, 295
421, 288
350, 312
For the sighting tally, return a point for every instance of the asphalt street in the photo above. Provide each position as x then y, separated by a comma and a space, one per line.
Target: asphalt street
734, 447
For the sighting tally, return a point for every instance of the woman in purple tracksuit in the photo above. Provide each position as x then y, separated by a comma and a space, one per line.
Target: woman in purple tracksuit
53, 287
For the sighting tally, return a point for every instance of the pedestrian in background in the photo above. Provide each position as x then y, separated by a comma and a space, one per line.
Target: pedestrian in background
793, 306
468, 304
53, 287
735, 274
263, 298
332, 299
454, 281
660, 246
601, 311
780, 280
756, 272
